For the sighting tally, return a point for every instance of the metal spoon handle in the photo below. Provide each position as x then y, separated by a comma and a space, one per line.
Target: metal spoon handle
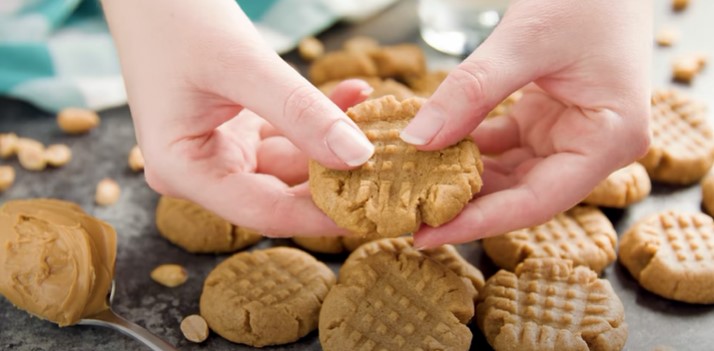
109, 319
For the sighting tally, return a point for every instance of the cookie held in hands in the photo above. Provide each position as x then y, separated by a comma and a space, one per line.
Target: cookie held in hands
399, 187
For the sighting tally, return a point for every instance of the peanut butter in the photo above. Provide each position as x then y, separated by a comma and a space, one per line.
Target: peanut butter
56, 261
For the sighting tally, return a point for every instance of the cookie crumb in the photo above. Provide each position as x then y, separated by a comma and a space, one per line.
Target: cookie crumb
686, 67
679, 5
667, 36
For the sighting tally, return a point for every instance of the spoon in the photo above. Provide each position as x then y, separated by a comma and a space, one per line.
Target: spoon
109, 319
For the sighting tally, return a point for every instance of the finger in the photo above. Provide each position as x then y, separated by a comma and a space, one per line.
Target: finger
279, 157
496, 135
255, 200
500, 66
262, 82
344, 95
350, 92
533, 201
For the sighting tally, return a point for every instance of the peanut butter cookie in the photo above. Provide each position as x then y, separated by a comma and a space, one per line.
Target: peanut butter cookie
197, 230
400, 62
339, 65
682, 148
382, 87
330, 244
397, 301
399, 187
549, 305
581, 234
265, 297
672, 255
446, 255
622, 188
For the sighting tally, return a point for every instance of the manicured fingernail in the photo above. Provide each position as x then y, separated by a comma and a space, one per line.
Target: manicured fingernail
423, 128
349, 144
366, 92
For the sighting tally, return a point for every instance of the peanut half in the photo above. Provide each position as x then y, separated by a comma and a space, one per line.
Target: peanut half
194, 328
136, 159
169, 275
58, 155
7, 177
31, 154
108, 192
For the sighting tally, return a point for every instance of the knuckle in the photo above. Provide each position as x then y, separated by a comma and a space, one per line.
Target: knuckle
303, 105
470, 78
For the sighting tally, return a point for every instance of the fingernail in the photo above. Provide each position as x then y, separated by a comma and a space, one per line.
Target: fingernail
366, 92
349, 144
423, 128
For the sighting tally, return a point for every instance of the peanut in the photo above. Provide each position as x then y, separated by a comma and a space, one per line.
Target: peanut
194, 328
7, 177
58, 155
74, 120
8, 145
108, 192
310, 48
169, 275
31, 154
136, 159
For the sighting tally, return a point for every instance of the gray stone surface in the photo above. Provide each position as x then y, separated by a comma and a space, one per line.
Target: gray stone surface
653, 321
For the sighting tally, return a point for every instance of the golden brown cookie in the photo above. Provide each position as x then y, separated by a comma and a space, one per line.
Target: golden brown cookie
549, 305
397, 301
672, 255
446, 255
361, 44
265, 297
582, 234
622, 188
330, 244
399, 187
401, 62
339, 65
708, 193
425, 85
381, 88
682, 147
197, 230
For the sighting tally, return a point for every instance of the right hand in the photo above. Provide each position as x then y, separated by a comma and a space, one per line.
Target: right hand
585, 115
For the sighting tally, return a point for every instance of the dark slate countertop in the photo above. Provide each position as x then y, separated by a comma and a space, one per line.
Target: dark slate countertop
653, 321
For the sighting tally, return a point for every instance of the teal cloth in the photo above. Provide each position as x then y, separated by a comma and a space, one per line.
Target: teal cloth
59, 53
